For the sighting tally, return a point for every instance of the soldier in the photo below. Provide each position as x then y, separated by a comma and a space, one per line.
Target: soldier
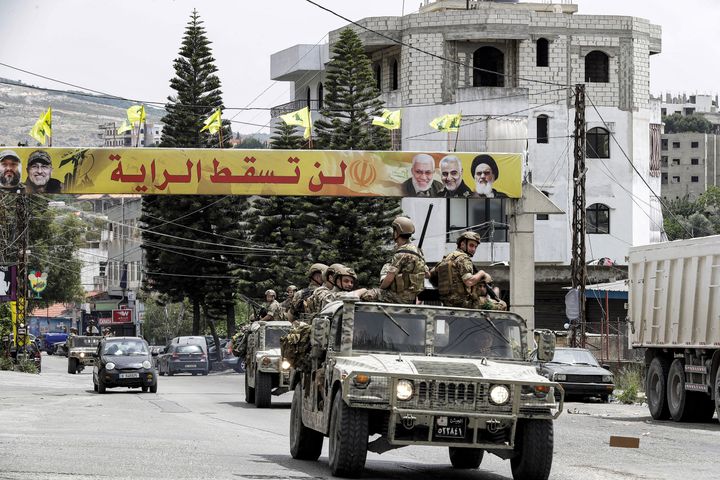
457, 284
404, 275
298, 304
287, 303
274, 311
315, 301
345, 285
486, 302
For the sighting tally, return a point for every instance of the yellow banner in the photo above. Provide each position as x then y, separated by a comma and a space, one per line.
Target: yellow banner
264, 172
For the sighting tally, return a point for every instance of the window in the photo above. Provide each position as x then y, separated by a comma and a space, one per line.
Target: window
320, 95
676, 179
664, 144
598, 143
664, 179
542, 129
395, 75
488, 67
377, 69
664, 161
694, 161
489, 215
663, 111
542, 52
694, 144
597, 67
544, 216
694, 179
676, 162
597, 219
676, 144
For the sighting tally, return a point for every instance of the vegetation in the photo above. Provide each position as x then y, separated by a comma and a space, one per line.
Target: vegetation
684, 218
677, 123
27, 365
629, 382
6, 363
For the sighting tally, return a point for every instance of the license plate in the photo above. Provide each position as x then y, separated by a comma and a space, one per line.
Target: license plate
450, 427
129, 375
191, 366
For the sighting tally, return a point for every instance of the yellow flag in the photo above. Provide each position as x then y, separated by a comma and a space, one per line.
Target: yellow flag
43, 127
447, 123
125, 127
389, 120
136, 113
213, 123
301, 118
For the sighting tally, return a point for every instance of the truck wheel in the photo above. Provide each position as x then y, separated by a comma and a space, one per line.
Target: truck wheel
72, 366
679, 402
656, 388
466, 458
533, 450
305, 443
348, 439
263, 389
249, 391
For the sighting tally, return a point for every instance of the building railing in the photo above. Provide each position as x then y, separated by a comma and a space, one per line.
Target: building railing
278, 110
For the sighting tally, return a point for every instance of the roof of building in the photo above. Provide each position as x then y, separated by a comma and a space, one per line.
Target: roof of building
53, 311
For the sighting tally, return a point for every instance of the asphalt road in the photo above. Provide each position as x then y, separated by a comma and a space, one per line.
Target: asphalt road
53, 426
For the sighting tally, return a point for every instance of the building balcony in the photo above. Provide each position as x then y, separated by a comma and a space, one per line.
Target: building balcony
294, 106
296, 62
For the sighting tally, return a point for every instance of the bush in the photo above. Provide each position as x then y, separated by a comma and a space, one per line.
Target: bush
6, 363
629, 381
27, 366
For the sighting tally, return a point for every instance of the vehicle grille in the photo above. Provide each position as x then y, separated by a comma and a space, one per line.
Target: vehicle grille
584, 378
455, 396
451, 369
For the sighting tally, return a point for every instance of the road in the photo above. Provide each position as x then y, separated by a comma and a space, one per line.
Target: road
53, 426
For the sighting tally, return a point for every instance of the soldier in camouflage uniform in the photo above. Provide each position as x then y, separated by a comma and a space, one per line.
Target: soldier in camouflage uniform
298, 304
287, 303
345, 285
455, 277
486, 302
314, 302
404, 275
274, 311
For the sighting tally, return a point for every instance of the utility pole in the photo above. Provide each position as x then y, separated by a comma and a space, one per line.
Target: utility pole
579, 269
22, 232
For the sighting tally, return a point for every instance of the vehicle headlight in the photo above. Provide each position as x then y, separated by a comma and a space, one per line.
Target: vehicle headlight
110, 366
607, 378
82, 354
147, 364
499, 394
404, 390
265, 361
561, 377
285, 365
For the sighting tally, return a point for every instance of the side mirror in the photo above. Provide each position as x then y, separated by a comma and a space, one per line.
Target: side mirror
545, 340
319, 335
154, 353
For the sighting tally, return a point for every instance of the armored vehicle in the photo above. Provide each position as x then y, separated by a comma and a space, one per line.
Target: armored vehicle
80, 352
266, 372
424, 375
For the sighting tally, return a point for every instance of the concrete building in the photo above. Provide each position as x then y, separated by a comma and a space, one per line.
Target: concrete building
150, 135
428, 62
689, 164
688, 104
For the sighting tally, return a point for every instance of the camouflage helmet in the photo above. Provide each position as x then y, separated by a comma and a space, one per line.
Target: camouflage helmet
270, 292
331, 270
403, 226
316, 268
291, 287
345, 272
468, 236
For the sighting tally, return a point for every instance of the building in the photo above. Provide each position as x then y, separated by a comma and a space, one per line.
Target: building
510, 67
689, 164
688, 105
149, 135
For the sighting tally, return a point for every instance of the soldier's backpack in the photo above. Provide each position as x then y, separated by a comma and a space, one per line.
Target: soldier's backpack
295, 347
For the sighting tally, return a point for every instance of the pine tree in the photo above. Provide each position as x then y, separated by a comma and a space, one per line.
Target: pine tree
191, 242
286, 137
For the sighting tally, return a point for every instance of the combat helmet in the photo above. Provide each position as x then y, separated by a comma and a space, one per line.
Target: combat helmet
331, 270
270, 292
345, 272
468, 236
316, 268
403, 226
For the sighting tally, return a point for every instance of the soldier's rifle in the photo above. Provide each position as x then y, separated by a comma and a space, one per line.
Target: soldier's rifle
259, 311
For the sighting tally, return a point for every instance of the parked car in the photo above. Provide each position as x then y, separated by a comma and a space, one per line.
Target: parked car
124, 362
156, 351
52, 340
31, 351
183, 358
579, 373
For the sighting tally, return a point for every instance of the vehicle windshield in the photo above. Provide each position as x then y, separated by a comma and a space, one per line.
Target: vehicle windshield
272, 337
85, 341
571, 357
125, 348
389, 332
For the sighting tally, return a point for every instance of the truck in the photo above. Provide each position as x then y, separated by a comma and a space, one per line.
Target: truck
674, 312
414, 375
80, 352
266, 372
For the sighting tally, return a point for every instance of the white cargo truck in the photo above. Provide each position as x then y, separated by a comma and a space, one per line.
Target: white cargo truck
674, 308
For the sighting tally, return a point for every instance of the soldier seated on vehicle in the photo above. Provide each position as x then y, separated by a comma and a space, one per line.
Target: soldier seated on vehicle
486, 302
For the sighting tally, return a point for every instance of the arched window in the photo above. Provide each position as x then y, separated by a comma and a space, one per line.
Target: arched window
487, 60
597, 219
395, 75
320, 95
378, 76
597, 67
598, 143
307, 93
542, 52
542, 129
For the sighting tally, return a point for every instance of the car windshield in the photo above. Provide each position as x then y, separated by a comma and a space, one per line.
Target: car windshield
389, 332
85, 341
272, 337
125, 348
189, 349
574, 357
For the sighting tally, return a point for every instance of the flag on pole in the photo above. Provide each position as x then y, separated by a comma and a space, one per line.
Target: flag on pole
125, 127
300, 118
43, 127
213, 123
447, 123
389, 120
136, 113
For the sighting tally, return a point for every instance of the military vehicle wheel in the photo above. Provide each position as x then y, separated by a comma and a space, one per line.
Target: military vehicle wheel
305, 443
348, 439
656, 388
466, 458
72, 366
533, 450
249, 391
263, 389
144, 389
100, 385
153, 388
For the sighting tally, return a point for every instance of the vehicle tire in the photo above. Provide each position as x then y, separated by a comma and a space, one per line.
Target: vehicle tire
100, 385
466, 458
348, 439
263, 389
72, 366
305, 443
205, 372
656, 388
249, 392
533, 450
144, 389
170, 371
153, 388
605, 398
679, 402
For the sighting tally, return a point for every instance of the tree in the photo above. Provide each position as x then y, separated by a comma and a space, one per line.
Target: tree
286, 137
250, 143
677, 123
191, 242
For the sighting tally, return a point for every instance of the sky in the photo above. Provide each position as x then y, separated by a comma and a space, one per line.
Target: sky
126, 48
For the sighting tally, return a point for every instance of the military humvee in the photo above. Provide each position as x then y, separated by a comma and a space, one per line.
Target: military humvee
266, 372
415, 375
80, 352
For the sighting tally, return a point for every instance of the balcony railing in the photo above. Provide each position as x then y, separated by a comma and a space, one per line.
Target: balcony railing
275, 112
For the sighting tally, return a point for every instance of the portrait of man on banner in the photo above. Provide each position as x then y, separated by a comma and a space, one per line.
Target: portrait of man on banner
39, 174
485, 171
422, 181
8, 283
10, 172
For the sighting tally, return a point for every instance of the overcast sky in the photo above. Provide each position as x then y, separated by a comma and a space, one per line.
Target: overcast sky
126, 48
